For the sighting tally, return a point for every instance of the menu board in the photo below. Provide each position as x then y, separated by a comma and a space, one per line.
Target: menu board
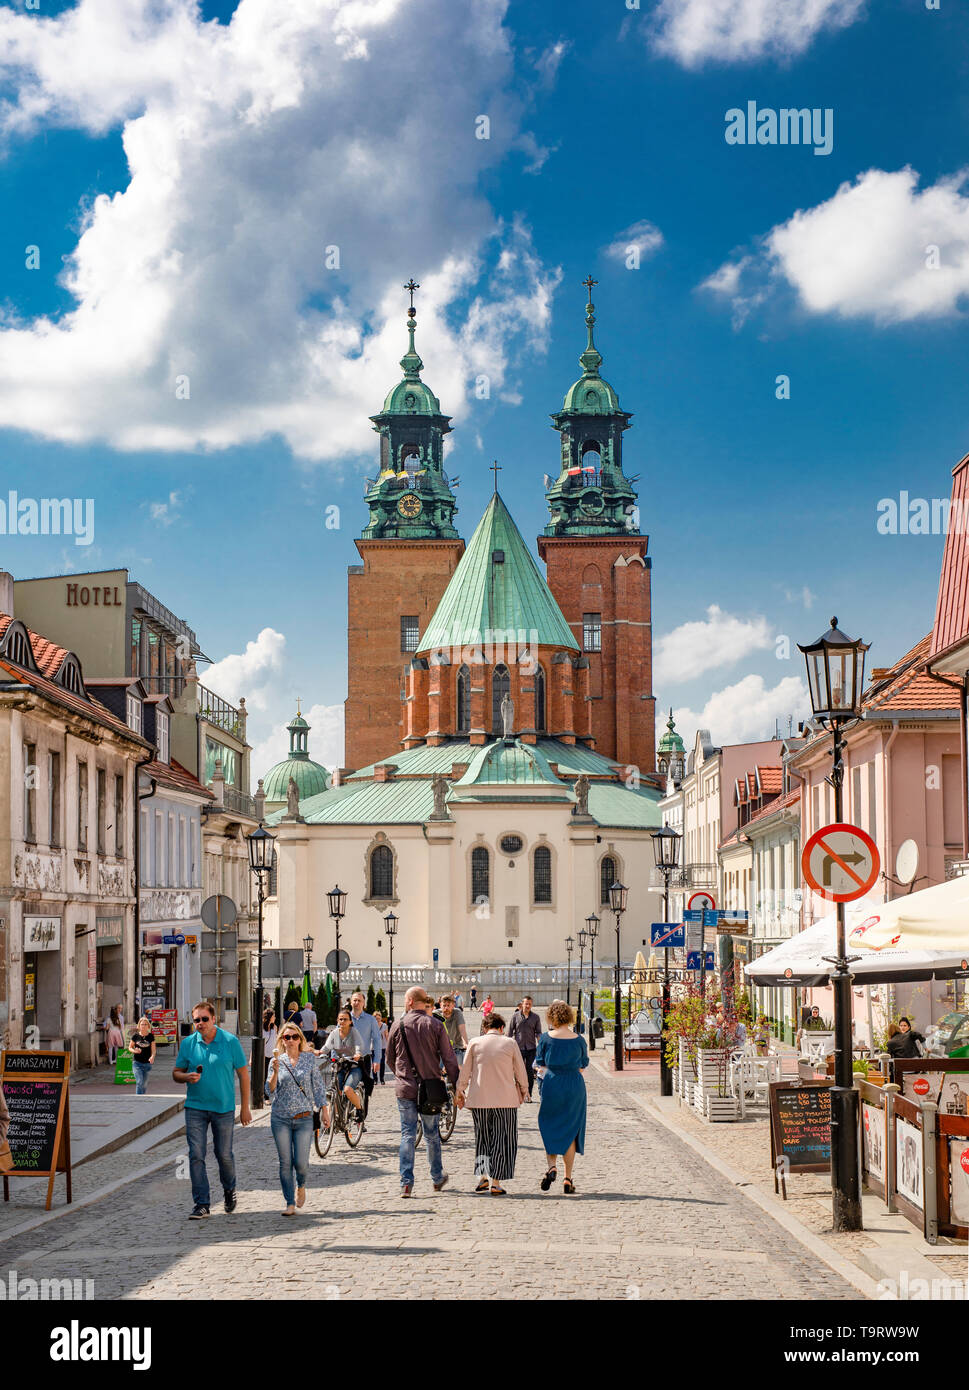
35, 1086
164, 1025
800, 1119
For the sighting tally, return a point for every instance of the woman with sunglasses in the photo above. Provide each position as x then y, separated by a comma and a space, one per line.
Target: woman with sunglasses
295, 1086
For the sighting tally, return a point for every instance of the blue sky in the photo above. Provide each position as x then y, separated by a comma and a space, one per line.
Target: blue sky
182, 171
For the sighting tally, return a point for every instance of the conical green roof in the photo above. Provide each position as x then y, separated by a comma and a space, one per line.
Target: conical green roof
310, 778
497, 588
671, 741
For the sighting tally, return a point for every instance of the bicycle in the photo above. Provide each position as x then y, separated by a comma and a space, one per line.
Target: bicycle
344, 1116
446, 1121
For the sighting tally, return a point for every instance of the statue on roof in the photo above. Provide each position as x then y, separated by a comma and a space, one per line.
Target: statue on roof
439, 788
581, 790
292, 799
507, 716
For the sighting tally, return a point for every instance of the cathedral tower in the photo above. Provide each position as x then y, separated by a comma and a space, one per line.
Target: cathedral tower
597, 564
409, 550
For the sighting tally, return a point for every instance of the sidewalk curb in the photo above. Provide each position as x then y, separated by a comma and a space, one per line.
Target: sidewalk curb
101, 1192
840, 1264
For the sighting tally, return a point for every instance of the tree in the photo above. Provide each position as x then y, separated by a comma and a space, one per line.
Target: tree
371, 1003
329, 1017
292, 995
380, 1002
321, 1003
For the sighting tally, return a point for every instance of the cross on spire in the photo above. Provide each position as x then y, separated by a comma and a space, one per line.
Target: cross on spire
411, 286
496, 469
589, 282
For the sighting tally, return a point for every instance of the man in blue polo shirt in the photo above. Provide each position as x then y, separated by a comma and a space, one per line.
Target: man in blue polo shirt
207, 1063
373, 1047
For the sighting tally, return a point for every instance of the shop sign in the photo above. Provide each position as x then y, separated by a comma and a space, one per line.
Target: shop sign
109, 930
42, 933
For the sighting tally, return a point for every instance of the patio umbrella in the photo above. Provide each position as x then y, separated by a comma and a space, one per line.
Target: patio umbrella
306, 993
800, 962
935, 919
637, 984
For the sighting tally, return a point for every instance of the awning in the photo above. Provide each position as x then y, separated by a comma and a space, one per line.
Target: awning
936, 919
799, 963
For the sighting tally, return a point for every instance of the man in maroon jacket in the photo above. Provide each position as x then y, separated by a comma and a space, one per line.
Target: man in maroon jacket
427, 1042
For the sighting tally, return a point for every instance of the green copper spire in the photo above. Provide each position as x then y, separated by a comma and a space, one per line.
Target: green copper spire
411, 497
591, 495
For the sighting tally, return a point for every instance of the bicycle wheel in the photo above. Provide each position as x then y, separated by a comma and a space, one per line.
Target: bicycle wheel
353, 1124
448, 1119
420, 1133
323, 1137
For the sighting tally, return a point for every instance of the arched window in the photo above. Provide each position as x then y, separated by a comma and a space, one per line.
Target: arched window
539, 700
591, 455
608, 873
542, 875
464, 700
274, 876
382, 872
500, 687
480, 875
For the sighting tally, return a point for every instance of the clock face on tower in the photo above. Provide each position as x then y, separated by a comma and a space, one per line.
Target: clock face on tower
410, 506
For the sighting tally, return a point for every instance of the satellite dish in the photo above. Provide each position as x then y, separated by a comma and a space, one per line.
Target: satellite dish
907, 861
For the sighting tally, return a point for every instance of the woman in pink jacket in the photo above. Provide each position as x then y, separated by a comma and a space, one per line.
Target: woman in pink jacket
492, 1084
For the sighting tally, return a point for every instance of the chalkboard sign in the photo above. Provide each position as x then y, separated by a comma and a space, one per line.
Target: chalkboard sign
800, 1125
35, 1086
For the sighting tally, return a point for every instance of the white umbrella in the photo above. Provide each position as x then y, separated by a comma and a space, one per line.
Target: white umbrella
936, 919
799, 962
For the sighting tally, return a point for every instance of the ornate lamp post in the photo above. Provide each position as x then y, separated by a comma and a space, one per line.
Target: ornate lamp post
618, 894
569, 948
592, 931
262, 846
666, 848
391, 923
338, 908
836, 680
583, 939
308, 950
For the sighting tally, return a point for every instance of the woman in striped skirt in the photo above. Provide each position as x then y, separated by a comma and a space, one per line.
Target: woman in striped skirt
493, 1083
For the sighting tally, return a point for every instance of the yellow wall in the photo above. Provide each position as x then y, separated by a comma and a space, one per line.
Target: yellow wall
95, 631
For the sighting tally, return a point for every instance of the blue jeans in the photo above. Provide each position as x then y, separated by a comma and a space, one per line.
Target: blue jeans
196, 1128
142, 1071
293, 1139
408, 1140
459, 1055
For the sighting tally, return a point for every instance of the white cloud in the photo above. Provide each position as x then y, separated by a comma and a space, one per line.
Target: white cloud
251, 674
746, 712
547, 63
880, 248
252, 147
731, 31
695, 647
166, 512
803, 595
643, 235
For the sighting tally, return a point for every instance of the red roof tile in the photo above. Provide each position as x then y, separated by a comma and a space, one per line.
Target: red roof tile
909, 686
952, 608
48, 655
779, 803
771, 779
174, 775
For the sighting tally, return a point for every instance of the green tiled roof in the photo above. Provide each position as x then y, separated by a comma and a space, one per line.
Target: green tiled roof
424, 760
486, 595
368, 803
309, 777
504, 764
623, 808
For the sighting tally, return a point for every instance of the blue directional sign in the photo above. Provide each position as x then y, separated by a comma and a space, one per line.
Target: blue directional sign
711, 916
174, 940
667, 934
730, 914
693, 960
436, 955
693, 914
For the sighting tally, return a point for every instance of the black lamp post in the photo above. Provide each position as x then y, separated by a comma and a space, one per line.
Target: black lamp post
592, 931
618, 893
583, 938
391, 922
666, 848
836, 680
338, 907
262, 846
308, 951
569, 948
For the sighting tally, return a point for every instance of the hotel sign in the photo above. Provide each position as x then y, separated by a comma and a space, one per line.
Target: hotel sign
42, 933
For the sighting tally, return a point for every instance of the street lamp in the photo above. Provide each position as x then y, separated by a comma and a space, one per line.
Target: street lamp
618, 893
666, 849
836, 679
583, 940
308, 950
262, 848
592, 931
391, 923
338, 907
569, 948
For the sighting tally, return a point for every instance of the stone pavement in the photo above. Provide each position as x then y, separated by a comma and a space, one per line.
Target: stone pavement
651, 1219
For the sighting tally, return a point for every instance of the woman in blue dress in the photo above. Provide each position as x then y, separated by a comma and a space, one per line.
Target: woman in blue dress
562, 1056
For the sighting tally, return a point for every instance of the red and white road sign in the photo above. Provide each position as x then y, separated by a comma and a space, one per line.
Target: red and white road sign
701, 901
840, 862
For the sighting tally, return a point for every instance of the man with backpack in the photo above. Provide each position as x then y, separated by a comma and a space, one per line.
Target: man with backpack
417, 1051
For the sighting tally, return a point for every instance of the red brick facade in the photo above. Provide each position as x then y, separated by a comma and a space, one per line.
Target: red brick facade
397, 578
610, 575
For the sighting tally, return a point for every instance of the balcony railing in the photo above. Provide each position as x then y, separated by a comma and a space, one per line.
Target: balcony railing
220, 713
238, 802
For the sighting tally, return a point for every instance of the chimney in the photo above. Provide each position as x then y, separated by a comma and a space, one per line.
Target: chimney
6, 592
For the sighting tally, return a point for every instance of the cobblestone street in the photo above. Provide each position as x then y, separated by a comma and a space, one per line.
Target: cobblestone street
650, 1220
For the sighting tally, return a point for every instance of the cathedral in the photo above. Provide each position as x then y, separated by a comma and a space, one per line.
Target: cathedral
499, 733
